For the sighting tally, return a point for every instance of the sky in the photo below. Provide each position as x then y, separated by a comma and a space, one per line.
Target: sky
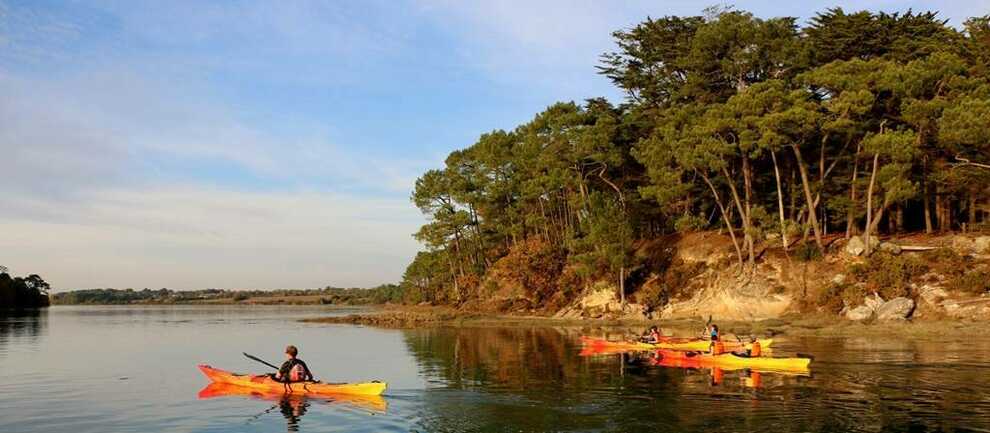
274, 144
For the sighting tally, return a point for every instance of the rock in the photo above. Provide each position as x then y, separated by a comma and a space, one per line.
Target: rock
839, 279
932, 294
982, 244
895, 309
873, 302
860, 313
855, 246
890, 248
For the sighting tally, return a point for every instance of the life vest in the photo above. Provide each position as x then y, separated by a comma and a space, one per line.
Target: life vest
755, 350
297, 373
718, 348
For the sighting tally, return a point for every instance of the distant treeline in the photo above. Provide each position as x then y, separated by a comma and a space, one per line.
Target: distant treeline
775, 132
329, 295
22, 292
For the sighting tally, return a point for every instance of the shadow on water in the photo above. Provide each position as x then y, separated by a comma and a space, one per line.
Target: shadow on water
531, 379
22, 325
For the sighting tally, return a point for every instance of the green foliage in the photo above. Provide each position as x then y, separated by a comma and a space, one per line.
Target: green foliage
26, 292
889, 275
974, 282
732, 121
807, 252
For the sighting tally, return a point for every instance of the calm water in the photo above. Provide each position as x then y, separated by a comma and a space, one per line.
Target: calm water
123, 369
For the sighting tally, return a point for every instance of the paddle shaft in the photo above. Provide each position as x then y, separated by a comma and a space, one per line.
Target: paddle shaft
255, 358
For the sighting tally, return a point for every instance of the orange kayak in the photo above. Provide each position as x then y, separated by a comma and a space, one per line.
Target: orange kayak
265, 384
217, 389
599, 346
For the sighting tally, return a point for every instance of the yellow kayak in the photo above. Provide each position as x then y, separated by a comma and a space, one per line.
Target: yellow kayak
731, 361
267, 384
599, 345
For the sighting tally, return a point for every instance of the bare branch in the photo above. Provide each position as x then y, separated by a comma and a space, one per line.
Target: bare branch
964, 162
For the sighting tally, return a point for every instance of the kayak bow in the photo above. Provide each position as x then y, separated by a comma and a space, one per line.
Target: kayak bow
267, 384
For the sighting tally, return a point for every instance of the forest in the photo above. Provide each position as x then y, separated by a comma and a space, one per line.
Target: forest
768, 130
22, 292
328, 295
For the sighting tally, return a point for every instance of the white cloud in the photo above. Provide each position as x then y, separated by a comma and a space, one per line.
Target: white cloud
194, 237
91, 164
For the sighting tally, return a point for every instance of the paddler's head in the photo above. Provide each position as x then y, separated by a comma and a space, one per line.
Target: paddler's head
291, 351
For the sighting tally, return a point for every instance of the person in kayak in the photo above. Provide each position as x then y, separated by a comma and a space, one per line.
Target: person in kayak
652, 335
754, 350
293, 369
716, 347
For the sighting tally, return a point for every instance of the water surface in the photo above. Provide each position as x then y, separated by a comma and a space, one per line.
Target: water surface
132, 368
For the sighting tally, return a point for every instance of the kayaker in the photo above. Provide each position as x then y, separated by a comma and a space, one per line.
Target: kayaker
754, 350
293, 369
716, 347
652, 335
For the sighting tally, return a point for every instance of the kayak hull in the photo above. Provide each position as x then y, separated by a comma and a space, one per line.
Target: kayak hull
266, 384
730, 361
373, 403
599, 345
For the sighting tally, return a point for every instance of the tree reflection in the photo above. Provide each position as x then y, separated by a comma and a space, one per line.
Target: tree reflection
26, 325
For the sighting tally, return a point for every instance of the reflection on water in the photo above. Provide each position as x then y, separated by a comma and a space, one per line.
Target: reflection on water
533, 380
126, 369
21, 326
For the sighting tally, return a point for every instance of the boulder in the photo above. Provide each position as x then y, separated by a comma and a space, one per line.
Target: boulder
857, 246
982, 244
895, 309
890, 248
932, 294
873, 302
861, 312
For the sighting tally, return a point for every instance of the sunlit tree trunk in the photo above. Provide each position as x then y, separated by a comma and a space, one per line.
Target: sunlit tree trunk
812, 218
780, 201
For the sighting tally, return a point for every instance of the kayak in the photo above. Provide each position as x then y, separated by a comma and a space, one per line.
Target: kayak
602, 346
373, 403
730, 361
267, 384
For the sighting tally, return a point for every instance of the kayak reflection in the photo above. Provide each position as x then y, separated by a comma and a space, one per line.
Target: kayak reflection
295, 404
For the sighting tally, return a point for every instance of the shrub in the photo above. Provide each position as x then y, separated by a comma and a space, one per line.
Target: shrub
976, 282
889, 275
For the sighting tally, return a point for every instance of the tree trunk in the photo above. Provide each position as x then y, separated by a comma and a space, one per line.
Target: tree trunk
743, 216
971, 208
807, 195
622, 286
725, 219
851, 213
869, 204
748, 183
780, 201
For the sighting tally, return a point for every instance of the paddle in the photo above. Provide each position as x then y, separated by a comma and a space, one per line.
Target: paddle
255, 358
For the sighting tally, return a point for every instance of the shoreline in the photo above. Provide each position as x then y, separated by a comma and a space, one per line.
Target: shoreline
820, 325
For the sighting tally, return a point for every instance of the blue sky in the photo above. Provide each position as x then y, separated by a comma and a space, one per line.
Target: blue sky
252, 144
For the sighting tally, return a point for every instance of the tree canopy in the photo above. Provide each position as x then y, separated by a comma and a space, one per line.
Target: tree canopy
855, 123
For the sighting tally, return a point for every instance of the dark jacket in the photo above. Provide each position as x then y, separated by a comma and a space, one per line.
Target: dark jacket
286, 368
